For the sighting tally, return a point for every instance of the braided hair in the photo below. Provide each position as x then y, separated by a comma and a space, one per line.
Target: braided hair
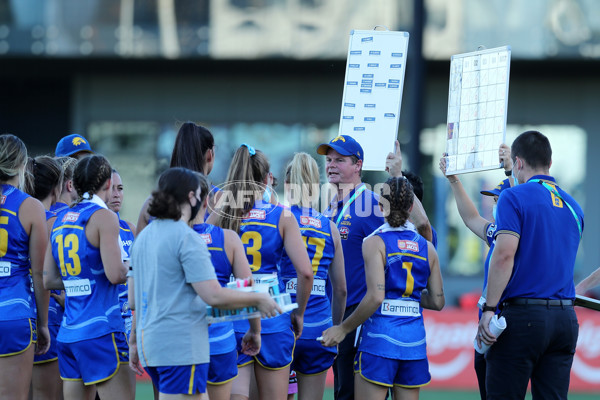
398, 193
42, 177
91, 173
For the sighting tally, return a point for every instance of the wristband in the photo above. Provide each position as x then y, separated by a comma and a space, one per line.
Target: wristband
488, 308
508, 173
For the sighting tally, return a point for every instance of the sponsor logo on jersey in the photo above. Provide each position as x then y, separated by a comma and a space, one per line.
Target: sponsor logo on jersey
400, 308
315, 222
408, 245
5, 268
206, 237
344, 231
70, 217
257, 214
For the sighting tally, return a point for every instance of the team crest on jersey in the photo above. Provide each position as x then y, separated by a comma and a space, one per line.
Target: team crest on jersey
344, 231
257, 214
408, 245
2, 199
311, 221
70, 217
206, 237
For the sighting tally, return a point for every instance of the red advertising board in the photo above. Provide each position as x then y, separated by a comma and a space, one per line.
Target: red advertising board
450, 335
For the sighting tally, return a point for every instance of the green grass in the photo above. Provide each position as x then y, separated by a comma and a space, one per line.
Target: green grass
144, 392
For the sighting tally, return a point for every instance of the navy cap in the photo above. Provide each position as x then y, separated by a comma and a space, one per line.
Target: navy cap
72, 144
344, 144
505, 184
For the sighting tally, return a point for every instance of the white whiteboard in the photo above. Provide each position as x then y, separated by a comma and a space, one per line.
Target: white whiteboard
373, 92
477, 104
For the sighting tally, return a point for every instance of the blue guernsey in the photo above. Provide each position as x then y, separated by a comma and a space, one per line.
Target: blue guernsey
16, 294
549, 236
357, 221
221, 335
396, 329
316, 234
92, 306
262, 241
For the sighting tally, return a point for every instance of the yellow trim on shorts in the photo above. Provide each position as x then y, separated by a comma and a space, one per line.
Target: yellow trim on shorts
8, 211
72, 379
45, 361
191, 385
246, 363
116, 369
285, 366
67, 226
221, 383
367, 379
412, 386
318, 373
28, 346
407, 255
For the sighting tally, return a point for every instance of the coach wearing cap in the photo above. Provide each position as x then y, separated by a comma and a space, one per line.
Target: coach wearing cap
355, 211
74, 145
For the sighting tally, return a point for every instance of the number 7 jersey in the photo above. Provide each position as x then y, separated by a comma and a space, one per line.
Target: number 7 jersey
92, 306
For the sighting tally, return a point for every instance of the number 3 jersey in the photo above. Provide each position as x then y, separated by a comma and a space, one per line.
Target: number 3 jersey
92, 306
316, 235
16, 294
396, 329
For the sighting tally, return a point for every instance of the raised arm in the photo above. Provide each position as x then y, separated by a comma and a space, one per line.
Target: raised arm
467, 210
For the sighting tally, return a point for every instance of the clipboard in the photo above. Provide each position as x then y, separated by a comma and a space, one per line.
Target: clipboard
587, 302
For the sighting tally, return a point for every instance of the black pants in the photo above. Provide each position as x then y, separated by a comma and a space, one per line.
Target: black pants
479, 365
538, 344
343, 366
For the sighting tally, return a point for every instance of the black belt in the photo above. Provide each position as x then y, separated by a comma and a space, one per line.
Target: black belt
538, 302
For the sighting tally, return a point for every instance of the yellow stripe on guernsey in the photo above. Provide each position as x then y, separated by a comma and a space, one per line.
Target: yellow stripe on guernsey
215, 248
258, 223
407, 255
67, 226
191, 387
315, 230
11, 212
126, 230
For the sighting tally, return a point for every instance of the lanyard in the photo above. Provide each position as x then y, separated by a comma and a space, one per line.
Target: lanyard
555, 192
350, 201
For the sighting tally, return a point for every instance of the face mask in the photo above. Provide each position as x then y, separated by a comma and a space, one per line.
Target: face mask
494, 212
195, 209
267, 195
514, 177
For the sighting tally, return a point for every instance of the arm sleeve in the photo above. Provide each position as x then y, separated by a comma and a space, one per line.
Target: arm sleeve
195, 259
509, 214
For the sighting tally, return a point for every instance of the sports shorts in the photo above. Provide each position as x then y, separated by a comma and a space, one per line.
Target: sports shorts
222, 368
179, 379
93, 360
276, 350
52, 353
16, 336
311, 357
391, 372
